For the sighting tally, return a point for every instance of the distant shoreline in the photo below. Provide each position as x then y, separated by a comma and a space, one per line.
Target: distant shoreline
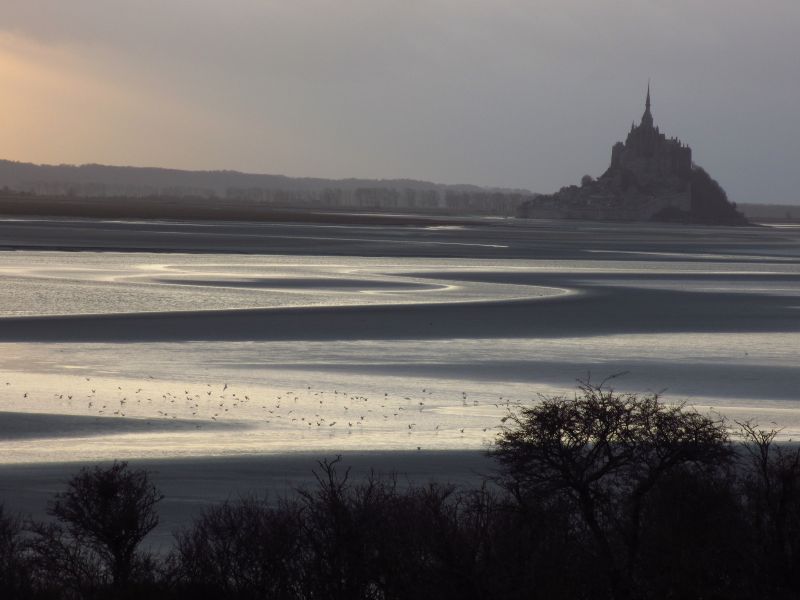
204, 209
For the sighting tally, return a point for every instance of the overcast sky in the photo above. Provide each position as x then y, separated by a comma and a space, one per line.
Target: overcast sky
513, 93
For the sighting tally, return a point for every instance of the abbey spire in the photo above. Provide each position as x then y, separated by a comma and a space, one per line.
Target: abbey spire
647, 118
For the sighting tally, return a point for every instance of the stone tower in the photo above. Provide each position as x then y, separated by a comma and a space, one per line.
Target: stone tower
648, 154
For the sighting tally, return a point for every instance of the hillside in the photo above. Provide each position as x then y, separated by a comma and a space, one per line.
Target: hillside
103, 180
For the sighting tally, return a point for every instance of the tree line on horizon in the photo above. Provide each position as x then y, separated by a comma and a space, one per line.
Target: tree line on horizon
601, 495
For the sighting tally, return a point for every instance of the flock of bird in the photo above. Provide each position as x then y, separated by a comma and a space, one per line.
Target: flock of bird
307, 409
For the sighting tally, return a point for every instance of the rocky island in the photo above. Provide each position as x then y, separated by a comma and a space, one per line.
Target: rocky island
651, 178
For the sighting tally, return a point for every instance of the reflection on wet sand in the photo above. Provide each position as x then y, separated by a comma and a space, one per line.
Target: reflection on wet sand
419, 344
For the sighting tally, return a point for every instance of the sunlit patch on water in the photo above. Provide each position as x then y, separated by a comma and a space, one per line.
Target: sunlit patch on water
58, 283
278, 397
159, 400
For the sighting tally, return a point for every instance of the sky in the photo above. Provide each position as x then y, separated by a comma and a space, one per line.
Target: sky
512, 93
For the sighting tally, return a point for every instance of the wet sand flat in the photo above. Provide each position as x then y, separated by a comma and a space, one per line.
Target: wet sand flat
229, 356
591, 313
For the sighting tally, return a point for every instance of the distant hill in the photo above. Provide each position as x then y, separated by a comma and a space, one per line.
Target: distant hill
94, 180
100, 190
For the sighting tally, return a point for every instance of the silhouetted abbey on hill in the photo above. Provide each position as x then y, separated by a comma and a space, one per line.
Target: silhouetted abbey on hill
651, 177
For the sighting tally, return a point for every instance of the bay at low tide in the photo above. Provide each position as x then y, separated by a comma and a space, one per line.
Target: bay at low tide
322, 340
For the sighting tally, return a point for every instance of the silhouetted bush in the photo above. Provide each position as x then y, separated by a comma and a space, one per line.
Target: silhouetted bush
374, 540
92, 547
15, 576
243, 549
692, 538
602, 453
771, 497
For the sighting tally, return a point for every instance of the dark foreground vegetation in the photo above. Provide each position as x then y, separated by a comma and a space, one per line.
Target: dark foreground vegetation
598, 496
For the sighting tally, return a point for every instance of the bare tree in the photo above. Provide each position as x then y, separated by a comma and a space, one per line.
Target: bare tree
604, 452
242, 549
772, 490
15, 580
101, 519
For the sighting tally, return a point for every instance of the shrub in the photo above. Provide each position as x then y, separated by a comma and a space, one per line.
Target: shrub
602, 453
100, 521
15, 576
